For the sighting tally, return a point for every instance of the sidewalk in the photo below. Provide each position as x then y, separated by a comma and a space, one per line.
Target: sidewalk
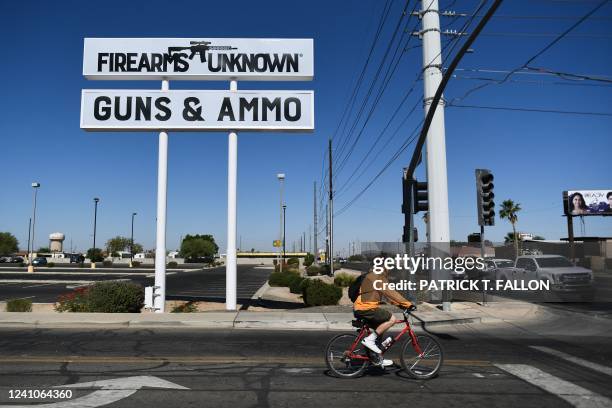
285, 320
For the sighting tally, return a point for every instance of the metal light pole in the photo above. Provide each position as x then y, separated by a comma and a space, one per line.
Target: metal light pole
284, 219
132, 242
35, 186
281, 179
93, 252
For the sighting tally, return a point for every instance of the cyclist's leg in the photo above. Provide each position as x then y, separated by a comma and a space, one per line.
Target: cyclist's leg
387, 324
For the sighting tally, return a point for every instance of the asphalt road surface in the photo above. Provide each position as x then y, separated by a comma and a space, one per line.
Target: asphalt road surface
199, 284
561, 364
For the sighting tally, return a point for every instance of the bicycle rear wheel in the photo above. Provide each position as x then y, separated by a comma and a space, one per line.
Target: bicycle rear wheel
425, 365
338, 360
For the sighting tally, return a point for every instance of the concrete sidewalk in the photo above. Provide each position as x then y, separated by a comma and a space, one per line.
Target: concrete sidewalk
285, 320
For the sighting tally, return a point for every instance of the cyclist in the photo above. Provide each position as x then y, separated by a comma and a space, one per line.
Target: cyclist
366, 307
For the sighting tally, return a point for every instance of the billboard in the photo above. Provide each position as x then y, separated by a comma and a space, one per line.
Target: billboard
182, 110
588, 202
213, 59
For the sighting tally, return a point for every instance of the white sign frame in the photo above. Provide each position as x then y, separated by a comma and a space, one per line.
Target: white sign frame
89, 123
249, 53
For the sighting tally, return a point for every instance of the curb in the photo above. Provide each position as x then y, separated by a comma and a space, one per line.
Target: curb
314, 321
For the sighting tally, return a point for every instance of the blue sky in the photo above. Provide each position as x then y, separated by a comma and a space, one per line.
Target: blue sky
534, 156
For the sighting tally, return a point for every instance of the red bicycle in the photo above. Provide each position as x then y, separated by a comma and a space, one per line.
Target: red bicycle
421, 355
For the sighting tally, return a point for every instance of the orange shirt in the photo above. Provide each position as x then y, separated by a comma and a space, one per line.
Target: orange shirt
370, 298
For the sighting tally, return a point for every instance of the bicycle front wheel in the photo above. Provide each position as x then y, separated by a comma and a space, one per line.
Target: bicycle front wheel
340, 361
425, 365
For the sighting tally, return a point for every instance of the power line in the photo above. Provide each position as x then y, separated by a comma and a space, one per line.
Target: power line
538, 54
345, 143
362, 161
539, 110
386, 80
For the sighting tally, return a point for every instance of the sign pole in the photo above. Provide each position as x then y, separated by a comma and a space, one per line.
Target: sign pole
160, 245
232, 170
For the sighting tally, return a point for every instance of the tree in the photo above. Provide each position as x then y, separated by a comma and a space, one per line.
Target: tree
44, 250
509, 210
117, 244
539, 238
137, 248
198, 248
95, 254
193, 250
509, 237
8, 243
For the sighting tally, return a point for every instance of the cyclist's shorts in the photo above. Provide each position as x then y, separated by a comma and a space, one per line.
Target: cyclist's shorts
373, 317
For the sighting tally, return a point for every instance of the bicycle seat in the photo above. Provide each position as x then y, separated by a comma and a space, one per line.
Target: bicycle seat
359, 323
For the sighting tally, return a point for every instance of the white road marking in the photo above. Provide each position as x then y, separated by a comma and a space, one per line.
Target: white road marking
297, 370
575, 360
39, 285
572, 393
478, 375
111, 391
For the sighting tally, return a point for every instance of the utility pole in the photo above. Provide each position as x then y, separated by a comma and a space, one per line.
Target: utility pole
93, 253
327, 234
438, 227
331, 213
316, 228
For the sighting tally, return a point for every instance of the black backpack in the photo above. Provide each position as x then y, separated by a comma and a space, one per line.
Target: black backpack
353, 290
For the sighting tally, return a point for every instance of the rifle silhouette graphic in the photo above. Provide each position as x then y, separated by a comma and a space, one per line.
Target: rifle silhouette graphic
198, 47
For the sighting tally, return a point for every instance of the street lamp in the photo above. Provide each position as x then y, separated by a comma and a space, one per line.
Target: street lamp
284, 218
132, 242
35, 186
93, 251
281, 179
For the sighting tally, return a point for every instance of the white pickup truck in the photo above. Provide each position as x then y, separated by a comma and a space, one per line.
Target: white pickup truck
559, 271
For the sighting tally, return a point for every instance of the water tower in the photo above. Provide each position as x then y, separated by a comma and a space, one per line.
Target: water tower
56, 242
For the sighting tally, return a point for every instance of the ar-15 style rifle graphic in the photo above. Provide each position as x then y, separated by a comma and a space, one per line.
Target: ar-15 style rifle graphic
199, 47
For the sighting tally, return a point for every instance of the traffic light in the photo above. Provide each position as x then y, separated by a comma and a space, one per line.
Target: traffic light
409, 200
484, 197
420, 196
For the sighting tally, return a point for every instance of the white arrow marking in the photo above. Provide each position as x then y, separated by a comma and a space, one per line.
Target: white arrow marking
111, 391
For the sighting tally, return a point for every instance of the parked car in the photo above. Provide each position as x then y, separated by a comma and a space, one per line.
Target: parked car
39, 261
564, 277
77, 258
492, 266
14, 259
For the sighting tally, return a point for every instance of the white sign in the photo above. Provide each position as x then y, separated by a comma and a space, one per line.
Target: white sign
148, 110
199, 58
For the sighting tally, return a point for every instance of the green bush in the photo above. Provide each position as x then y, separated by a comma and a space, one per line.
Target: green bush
107, 263
103, 297
135, 263
296, 285
19, 305
188, 307
356, 258
115, 297
282, 278
319, 293
344, 280
313, 270
50, 264
172, 264
293, 261
308, 259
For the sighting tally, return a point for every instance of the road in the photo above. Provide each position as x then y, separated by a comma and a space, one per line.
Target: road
561, 364
206, 284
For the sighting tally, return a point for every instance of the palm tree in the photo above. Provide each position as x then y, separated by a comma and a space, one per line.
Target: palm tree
509, 210
509, 237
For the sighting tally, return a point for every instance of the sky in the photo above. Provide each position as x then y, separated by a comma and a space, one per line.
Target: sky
533, 156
